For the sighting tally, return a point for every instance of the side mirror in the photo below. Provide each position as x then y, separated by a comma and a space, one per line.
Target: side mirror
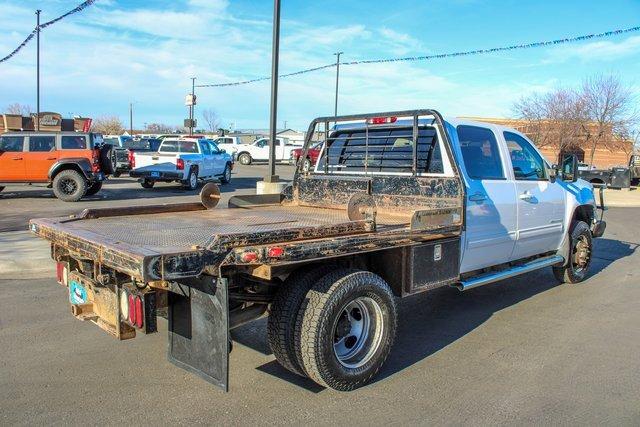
569, 168
222, 150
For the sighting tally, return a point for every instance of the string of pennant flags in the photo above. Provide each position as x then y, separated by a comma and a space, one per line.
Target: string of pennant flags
441, 55
33, 33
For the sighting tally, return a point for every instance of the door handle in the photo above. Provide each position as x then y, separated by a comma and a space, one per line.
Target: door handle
477, 197
526, 196
51, 158
17, 158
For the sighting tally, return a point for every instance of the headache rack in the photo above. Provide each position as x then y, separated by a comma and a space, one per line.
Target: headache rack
396, 142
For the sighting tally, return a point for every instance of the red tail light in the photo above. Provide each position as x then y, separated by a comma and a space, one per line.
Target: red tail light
381, 120
275, 252
139, 321
61, 273
180, 164
249, 256
132, 310
95, 157
132, 159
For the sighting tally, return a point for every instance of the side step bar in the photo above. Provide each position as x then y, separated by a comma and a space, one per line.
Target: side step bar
516, 270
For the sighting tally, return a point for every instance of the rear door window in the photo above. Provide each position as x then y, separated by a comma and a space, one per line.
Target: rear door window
12, 144
179, 147
73, 142
42, 143
480, 153
383, 150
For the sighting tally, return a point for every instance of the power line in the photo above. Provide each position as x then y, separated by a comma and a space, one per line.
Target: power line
442, 55
30, 37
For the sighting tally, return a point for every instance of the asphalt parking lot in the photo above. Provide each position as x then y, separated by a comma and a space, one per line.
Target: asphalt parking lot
522, 351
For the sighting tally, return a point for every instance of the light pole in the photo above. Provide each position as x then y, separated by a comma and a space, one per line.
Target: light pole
38, 69
337, 54
271, 176
131, 118
192, 109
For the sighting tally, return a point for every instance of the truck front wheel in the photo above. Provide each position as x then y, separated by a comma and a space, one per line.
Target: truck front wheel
348, 328
580, 255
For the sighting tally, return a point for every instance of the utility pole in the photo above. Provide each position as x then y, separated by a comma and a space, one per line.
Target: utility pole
271, 176
131, 118
38, 69
192, 108
337, 54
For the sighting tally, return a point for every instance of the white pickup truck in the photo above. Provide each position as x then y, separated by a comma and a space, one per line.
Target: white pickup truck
231, 144
259, 151
183, 160
398, 203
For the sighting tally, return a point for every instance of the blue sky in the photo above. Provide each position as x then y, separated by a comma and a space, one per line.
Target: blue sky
118, 51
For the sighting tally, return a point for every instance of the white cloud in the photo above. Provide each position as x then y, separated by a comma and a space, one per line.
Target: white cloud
599, 50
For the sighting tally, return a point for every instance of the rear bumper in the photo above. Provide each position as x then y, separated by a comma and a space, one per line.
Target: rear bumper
156, 176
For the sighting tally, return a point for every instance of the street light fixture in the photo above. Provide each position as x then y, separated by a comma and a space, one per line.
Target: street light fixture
38, 69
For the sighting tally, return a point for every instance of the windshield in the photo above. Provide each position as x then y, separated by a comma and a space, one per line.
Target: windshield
179, 147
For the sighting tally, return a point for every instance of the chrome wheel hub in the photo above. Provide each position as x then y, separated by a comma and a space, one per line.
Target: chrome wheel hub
581, 253
357, 332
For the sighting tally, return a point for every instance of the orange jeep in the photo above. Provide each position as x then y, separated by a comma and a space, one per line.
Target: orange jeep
74, 164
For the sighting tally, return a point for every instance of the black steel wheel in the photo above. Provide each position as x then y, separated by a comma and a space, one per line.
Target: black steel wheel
94, 188
285, 323
147, 183
69, 185
348, 328
580, 255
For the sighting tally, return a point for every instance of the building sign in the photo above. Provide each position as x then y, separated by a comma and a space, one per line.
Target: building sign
49, 120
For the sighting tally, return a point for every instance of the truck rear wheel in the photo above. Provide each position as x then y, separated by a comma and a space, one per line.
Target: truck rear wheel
348, 328
244, 159
580, 257
284, 319
69, 186
147, 183
191, 183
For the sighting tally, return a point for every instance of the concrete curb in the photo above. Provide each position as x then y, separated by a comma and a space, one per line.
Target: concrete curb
24, 256
624, 198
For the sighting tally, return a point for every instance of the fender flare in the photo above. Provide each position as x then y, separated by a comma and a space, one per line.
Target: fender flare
81, 164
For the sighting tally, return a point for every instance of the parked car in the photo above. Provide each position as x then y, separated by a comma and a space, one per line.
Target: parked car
408, 202
259, 151
182, 160
73, 164
310, 160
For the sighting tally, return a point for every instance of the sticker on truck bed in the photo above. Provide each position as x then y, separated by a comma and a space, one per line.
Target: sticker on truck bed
77, 293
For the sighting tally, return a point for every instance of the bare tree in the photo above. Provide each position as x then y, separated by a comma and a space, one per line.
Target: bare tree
211, 118
556, 118
159, 128
21, 109
608, 104
108, 125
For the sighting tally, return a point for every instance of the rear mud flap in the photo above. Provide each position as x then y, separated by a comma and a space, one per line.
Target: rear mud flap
199, 329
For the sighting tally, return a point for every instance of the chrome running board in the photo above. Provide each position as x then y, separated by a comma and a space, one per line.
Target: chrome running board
516, 270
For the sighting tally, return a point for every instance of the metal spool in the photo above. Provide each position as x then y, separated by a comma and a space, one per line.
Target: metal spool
210, 195
361, 207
